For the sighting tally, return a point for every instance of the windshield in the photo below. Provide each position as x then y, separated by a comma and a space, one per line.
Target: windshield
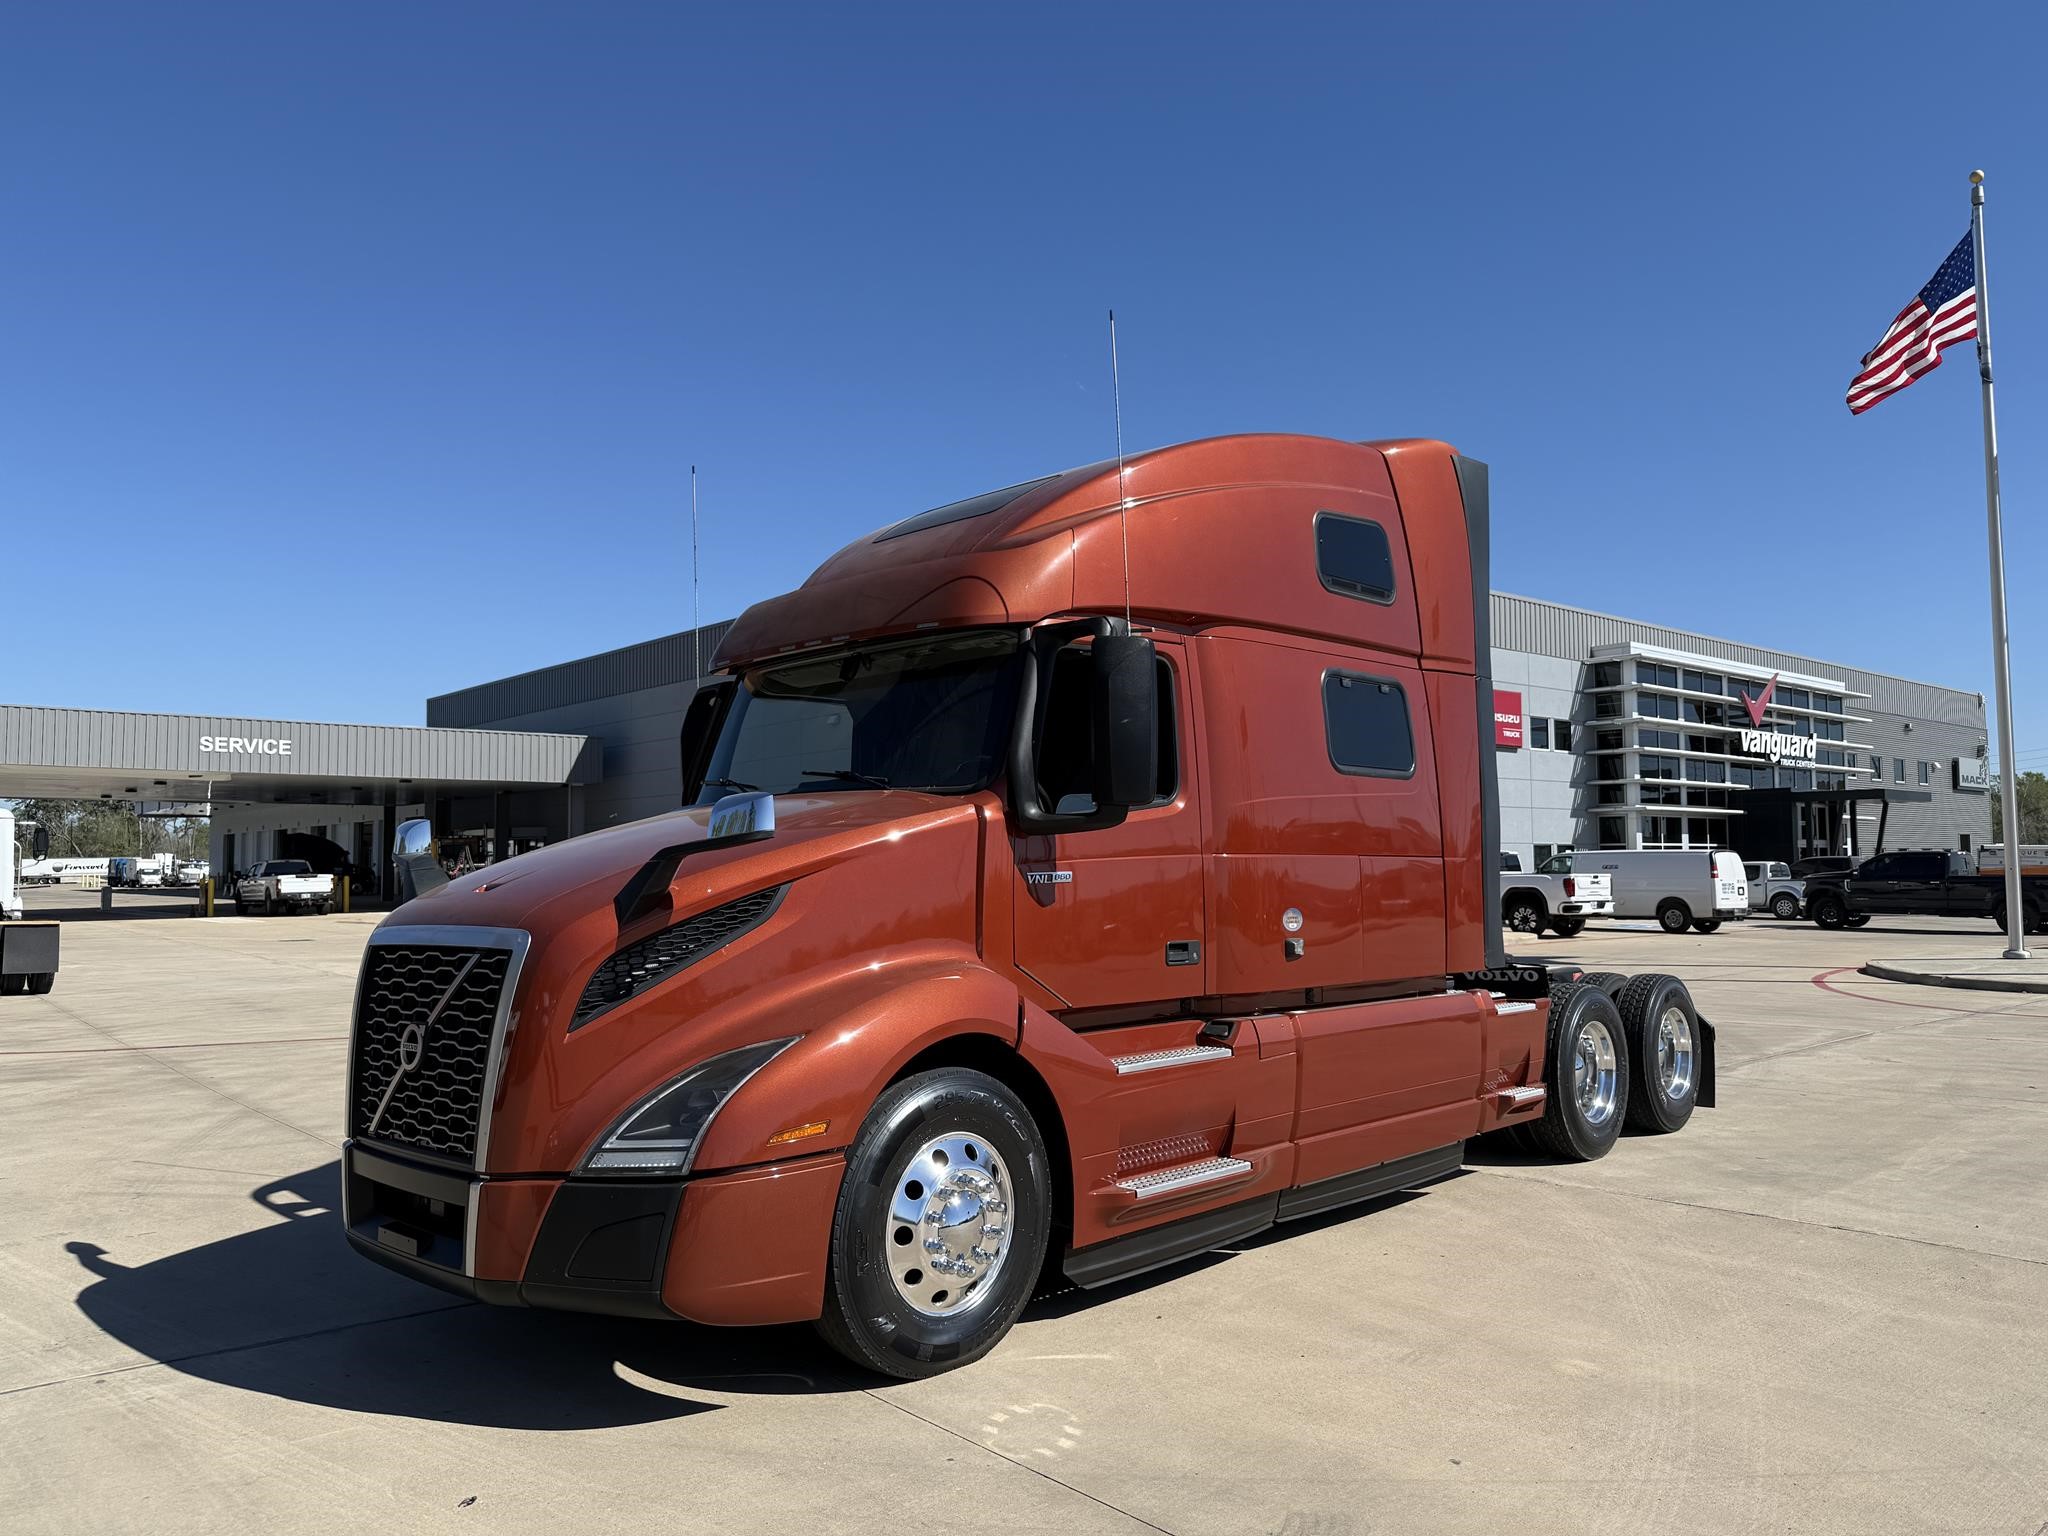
929, 714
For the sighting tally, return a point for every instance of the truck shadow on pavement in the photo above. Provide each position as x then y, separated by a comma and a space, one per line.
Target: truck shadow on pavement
290, 1311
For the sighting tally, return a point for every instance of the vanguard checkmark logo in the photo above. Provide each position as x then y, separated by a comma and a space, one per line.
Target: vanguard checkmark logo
1760, 703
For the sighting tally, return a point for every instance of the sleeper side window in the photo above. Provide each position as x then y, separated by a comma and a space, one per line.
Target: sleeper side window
1365, 721
1353, 557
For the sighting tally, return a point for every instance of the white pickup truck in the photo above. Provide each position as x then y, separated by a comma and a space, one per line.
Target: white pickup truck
284, 885
1553, 896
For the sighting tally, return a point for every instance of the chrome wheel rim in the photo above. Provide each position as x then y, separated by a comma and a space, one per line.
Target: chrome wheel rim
1594, 1077
947, 1229
1674, 1054
1524, 919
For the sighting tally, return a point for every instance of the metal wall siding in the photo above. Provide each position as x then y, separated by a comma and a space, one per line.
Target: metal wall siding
630, 669
1551, 629
143, 743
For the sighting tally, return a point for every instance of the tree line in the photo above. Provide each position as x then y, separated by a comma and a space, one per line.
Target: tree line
91, 829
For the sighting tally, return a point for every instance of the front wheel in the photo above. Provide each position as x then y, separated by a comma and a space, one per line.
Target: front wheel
1586, 1073
1827, 911
1784, 906
941, 1227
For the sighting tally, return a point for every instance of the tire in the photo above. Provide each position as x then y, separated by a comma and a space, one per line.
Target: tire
1860, 920
1674, 916
13, 985
1706, 924
41, 982
1827, 911
1663, 1052
1567, 927
240, 910
2029, 913
1610, 982
1784, 906
1584, 1109
885, 1309
1523, 914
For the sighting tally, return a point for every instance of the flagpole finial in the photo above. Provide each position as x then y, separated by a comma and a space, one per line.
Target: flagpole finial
1976, 178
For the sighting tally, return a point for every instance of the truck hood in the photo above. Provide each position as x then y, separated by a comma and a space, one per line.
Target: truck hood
553, 887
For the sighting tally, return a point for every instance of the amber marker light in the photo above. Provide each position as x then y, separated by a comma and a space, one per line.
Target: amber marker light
799, 1133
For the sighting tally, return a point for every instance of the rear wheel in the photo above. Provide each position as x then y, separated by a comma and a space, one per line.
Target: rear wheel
1663, 1040
1706, 924
1586, 1073
1673, 916
1785, 906
1858, 920
1568, 927
1609, 982
11, 986
2028, 911
42, 981
1524, 914
941, 1226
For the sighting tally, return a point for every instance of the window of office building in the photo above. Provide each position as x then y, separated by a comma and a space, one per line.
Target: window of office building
1664, 740
1898, 770
1613, 832
1658, 706
1539, 733
1828, 703
1606, 674
1609, 768
1656, 674
1795, 698
1561, 733
1608, 706
1651, 766
1607, 741
1926, 772
1703, 682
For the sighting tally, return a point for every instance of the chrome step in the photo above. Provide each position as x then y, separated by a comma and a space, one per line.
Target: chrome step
1504, 1007
1170, 1181
1521, 1098
1178, 1056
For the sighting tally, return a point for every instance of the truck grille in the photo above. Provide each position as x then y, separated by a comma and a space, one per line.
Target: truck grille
634, 969
452, 993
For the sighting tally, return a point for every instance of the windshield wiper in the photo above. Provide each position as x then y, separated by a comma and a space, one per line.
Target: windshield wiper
731, 784
846, 775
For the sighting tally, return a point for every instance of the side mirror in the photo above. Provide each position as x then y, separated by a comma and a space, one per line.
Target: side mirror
412, 858
39, 843
1123, 707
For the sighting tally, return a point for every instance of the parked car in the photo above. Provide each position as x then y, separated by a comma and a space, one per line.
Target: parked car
1554, 896
284, 885
1680, 888
1921, 883
1773, 888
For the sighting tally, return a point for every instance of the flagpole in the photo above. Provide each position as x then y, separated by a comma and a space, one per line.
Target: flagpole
2001, 635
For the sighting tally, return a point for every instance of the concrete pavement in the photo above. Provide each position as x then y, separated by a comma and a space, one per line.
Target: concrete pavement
1823, 1307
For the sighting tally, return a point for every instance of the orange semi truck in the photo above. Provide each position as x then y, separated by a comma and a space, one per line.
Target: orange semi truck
1069, 879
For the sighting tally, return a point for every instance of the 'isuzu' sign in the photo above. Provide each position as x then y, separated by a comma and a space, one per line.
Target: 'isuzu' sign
1780, 746
254, 746
1507, 717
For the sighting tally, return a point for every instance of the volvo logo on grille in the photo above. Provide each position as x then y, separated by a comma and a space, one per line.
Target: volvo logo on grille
412, 1047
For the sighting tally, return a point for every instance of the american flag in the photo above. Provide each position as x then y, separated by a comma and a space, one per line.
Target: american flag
1944, 311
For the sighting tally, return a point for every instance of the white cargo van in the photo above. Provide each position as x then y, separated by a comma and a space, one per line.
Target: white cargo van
1678, 887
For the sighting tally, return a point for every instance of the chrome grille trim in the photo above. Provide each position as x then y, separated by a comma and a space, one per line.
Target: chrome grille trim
504, 1023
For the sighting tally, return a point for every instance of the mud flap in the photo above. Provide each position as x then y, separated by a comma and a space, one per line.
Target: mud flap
1706, 1048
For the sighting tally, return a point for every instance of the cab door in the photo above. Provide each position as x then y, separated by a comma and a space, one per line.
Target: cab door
1114, 917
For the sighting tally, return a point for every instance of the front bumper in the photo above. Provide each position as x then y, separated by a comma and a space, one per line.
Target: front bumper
742, 1247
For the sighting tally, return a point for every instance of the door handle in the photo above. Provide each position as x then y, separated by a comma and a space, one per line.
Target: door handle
1183, 952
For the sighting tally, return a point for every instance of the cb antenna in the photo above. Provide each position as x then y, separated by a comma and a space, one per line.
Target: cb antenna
1123, 502
696, 618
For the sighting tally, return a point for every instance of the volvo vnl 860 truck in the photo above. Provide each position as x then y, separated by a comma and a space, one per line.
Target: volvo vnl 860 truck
1068, 879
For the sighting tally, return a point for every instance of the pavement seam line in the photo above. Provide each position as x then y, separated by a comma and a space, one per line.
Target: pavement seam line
148, 1054
1790, 1221
1038, 1471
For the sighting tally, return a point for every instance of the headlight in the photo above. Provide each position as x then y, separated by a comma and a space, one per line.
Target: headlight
661, 1133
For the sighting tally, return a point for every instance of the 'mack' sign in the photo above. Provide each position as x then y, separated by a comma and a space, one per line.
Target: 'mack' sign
1780, 746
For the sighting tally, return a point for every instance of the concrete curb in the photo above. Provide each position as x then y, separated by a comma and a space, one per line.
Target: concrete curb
1885, 972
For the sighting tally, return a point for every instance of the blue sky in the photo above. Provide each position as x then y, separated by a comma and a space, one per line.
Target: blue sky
378, 340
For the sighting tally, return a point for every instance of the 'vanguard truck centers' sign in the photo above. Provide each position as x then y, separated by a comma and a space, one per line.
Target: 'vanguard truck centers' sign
1780, 746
